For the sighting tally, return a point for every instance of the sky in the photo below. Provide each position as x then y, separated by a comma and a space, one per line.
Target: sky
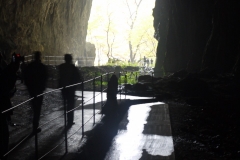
119, 15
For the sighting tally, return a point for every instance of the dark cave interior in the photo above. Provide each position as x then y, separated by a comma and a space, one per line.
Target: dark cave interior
198, 57
192, 35
196, 35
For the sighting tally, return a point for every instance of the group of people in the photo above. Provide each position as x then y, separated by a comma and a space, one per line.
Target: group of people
35, 76
147, 61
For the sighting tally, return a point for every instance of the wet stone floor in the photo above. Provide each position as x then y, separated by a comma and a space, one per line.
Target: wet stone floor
147, 134
139, 130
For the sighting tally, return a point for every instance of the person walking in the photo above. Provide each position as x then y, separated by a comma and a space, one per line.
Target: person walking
68, 75
147, 62
22, 67
8, 78
35, 78
144, 61
151, 62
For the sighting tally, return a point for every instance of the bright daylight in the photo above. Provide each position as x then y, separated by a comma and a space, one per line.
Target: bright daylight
122, 31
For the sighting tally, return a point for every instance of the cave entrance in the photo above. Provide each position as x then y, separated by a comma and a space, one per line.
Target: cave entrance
122, 32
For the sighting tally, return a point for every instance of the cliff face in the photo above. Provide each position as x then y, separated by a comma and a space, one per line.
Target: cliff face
195, 35
90, 54
54, 27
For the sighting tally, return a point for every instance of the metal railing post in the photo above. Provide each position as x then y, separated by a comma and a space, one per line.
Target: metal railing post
82, 108
125, 84
107, 76
65, 123
152, 85
36, 140
120, 84
136, 76
101, 93
94, 98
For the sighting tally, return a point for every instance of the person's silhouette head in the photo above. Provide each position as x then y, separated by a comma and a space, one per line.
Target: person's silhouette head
37, 56
68, 58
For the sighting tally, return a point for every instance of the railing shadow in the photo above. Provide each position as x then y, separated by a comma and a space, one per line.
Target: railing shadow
81, 105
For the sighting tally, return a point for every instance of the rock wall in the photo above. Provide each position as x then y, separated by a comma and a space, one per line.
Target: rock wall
54, 27
195, 35
90, 54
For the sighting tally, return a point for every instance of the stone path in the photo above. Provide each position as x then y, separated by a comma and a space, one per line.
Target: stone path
143, 132
152, 120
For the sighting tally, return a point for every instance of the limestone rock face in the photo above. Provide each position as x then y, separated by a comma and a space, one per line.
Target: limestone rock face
54, 27
90, 54
195, 35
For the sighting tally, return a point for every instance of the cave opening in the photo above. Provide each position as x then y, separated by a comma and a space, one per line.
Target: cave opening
199, 38
122, 32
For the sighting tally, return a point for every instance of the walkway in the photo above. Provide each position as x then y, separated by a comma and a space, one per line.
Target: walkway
142, 132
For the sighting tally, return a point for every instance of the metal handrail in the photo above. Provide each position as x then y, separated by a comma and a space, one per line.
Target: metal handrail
65, 111
17, 105
54, 90
54, 60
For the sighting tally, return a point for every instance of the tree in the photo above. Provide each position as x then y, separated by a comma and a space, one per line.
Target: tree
110, 33
143, 40
101, 31
93, 25
125, 38
132, 17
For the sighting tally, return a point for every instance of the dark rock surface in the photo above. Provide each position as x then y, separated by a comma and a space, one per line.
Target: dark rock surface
205, 132
194, 35
54, 27
90, 54
204, 111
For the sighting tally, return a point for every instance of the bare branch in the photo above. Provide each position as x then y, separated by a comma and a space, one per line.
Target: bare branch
129, 10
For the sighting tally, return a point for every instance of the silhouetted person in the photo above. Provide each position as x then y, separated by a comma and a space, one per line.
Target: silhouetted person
22, 67
151, 62
68, 75
35, 77
8, 78
147, 61
144, 61
112, 90
15, 61
3, 63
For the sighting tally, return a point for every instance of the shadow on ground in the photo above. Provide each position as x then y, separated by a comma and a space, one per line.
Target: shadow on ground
100, 137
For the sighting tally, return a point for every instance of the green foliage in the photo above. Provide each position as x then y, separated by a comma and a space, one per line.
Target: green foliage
98, 83
130, 78
123, 64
